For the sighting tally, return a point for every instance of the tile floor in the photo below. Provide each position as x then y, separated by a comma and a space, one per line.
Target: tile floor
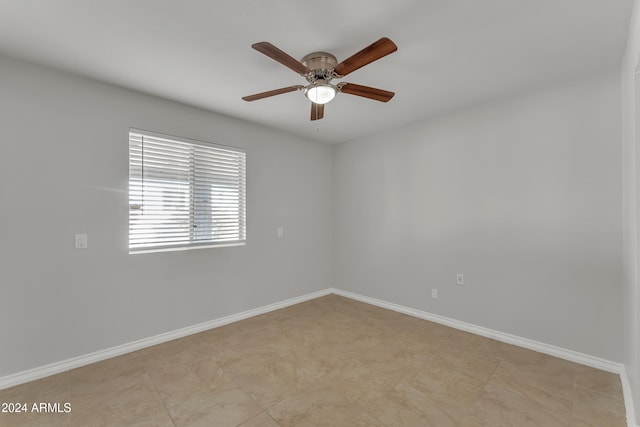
327, 362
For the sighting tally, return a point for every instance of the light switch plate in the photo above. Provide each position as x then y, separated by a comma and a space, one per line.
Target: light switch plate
81, 241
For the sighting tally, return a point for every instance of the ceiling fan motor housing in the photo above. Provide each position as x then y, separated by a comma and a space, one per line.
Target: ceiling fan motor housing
321, 65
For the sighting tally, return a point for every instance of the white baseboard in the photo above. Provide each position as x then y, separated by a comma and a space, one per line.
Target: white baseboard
76, 362
628, 399
573, 356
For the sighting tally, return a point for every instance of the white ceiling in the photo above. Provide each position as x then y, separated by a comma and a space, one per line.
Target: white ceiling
451, 53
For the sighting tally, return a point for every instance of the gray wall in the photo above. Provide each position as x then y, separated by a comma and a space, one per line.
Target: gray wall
631, 220
64, 170
522, 195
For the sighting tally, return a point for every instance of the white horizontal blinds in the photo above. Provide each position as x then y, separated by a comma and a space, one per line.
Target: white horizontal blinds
219, 194
184, 193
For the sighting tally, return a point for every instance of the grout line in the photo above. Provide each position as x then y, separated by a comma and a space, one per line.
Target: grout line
166, 408
482, 390
573, 396
274, 420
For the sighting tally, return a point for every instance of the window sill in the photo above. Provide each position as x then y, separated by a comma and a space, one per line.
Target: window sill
184, 248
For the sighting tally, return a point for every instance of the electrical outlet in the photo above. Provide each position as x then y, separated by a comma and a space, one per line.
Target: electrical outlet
460, 279
434, 293
280, 232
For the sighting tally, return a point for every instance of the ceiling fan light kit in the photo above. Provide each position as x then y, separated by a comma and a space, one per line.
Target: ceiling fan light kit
320, 93
320, 68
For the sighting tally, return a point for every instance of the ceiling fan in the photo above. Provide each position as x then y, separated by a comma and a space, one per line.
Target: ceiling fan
319, 68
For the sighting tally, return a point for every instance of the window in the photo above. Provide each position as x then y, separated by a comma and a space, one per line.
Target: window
184, 194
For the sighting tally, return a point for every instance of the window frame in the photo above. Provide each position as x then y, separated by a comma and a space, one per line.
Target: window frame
190, 182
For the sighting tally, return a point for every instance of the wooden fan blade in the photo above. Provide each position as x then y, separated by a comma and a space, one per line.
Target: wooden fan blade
285, 59
366, 92
373, 52
317, 111
271, 93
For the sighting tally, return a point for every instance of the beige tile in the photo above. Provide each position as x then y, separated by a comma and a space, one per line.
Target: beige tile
101, 383
479, 365
266, 331
306, 356
345, 342
107, 377
360, 384
35, 420
333, 355
128, 405
390, 360
552, 389
453, 391
375, 330
237, 342
498, 407
263, 419
266, 375
408, 406
547, 366
478, 344
155, 420
446, 336
592, 408
415, 342
474, 343
515, 354
597, 380
409, 323
316, 406
228, 339
442, 332
224, 407
176, 382
366, 420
